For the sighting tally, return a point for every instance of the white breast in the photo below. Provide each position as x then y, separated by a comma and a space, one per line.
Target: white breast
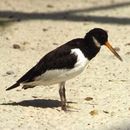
60, 75
81, 59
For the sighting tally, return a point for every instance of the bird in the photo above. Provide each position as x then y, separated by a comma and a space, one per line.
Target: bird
66, 62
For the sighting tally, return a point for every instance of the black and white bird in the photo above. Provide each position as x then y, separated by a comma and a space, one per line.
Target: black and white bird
65, 62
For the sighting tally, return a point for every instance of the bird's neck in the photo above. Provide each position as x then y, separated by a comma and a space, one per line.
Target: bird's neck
89, 49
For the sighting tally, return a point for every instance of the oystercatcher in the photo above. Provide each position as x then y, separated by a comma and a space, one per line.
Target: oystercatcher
65, 62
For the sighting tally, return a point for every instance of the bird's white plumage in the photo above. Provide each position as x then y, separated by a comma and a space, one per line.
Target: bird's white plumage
96, 42
60, 75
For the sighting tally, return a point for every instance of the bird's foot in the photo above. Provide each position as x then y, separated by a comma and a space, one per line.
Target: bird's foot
64, 108
68, 108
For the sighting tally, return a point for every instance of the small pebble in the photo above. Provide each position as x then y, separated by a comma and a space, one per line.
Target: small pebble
7, 38
34, 96
44, 29
55, 43
93, 112
127, 53
9, 72
16, 46
18, 90
127, 44
50, 6
106, 112
88, 98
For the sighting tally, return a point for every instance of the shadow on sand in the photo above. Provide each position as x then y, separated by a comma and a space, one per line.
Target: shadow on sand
43, 103
70, 15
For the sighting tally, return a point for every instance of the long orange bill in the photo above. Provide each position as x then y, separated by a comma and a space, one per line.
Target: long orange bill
113, 51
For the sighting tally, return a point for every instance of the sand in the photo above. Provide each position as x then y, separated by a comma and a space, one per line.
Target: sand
99, 98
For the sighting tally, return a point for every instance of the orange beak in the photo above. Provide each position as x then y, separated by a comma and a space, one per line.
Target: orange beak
113, 51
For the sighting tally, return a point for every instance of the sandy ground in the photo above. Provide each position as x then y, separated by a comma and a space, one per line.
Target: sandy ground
99, 97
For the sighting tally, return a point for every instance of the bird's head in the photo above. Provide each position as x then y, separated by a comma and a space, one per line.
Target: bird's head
99, 37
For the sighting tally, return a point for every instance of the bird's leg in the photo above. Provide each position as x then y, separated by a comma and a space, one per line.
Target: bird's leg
62, 95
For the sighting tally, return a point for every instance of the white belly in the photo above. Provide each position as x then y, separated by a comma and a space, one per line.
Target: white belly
60, 75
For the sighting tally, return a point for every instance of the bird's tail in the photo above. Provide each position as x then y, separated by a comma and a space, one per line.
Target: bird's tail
13, 86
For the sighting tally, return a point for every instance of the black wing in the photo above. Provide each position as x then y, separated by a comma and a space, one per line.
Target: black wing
60, 58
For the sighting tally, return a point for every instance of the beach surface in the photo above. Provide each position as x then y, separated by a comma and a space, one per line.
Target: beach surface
99, 98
